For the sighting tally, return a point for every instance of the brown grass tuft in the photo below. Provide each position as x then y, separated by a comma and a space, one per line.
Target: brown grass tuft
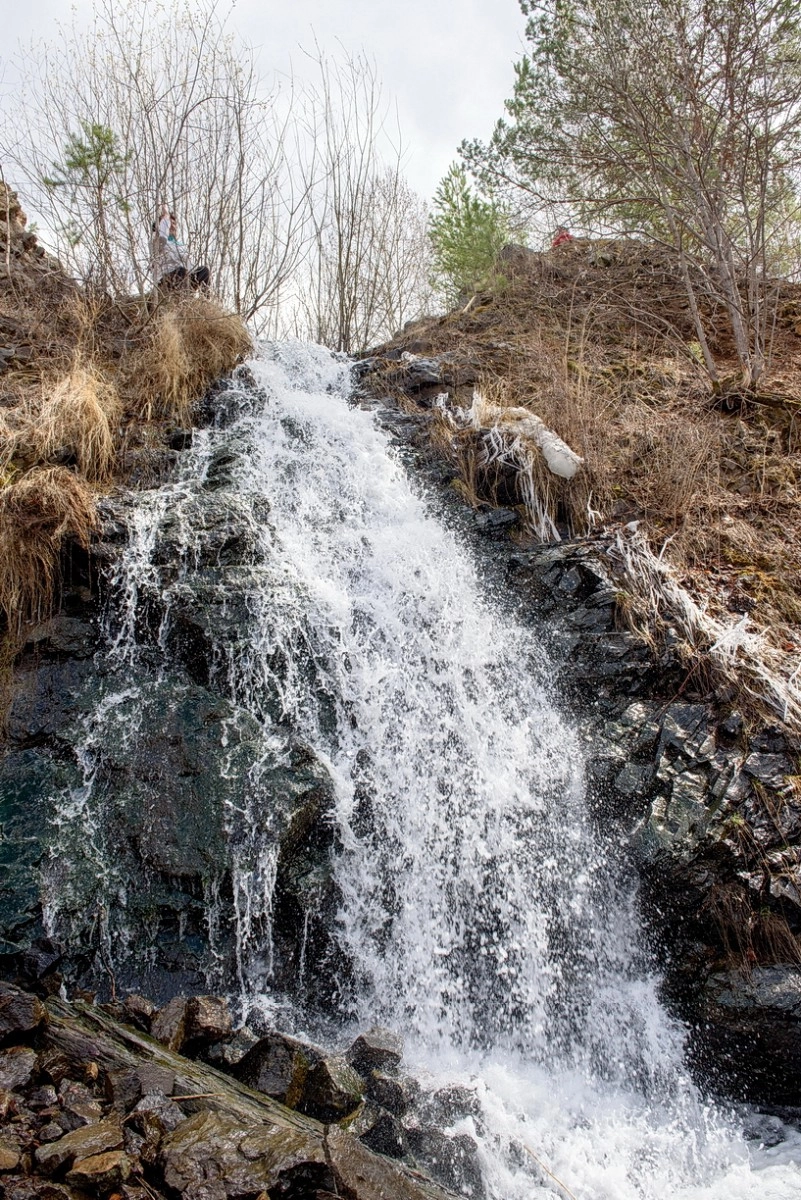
190, 343
37, 512
81, 415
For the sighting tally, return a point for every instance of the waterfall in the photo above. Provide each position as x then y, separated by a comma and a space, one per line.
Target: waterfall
480, 910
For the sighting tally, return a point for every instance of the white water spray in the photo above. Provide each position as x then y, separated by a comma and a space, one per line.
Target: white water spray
485, 916
487, 919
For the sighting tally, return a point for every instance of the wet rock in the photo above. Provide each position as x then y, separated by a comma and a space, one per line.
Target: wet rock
208, 1019
332, 1090
375, 1050
377, 1129
122, 1088
169, 1026
368, 1176
126, 1086
139, 1011
101, 1173
20, 1012
56, 1066
230, 1052
452, 1104
81, 1143
51, 1132
36, 1189
395, 1095
78, 1102
157, 1110
129, 1192
10, 1156
769, 769
752, 1031
278, 1065
17, 1065
210, 1155
496, 520
152, 1119
453, 1161
42, 1097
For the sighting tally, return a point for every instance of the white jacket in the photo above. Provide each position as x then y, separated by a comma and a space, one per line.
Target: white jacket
170, 254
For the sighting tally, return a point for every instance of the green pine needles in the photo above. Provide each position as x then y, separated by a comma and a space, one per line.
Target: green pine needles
466, 235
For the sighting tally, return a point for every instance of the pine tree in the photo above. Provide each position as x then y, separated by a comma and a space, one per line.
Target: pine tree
466, 234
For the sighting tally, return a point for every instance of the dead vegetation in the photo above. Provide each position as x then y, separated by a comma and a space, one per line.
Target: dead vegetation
80, 416
37, 512
190, 342
81, 378
595, 339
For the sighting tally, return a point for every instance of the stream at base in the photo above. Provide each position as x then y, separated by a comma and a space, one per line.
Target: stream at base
482, 912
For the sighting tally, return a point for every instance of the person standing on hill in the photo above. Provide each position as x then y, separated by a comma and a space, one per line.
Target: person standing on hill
561, 237
172, 268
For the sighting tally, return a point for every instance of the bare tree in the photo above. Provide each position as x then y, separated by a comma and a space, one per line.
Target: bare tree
367, 269
152, 105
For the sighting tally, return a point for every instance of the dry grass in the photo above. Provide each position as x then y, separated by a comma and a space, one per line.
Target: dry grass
749, 934
85, 373
190, 342
37, 512
594, 339
81, 416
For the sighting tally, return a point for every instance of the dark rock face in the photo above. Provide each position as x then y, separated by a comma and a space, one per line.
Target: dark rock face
19, 1011
376, 1050
707, 806
279, 1065
145, 795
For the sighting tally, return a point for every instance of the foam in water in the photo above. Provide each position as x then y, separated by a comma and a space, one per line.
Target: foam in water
486, 917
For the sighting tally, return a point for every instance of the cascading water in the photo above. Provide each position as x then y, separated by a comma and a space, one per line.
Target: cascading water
480, 911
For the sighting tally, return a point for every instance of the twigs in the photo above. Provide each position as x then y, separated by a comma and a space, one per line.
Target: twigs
548, 1172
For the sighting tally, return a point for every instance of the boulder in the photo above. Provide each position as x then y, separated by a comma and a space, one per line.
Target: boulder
169, 1026
451, 1104
208, 1019
139, 1011
20, 1012
36, 1189
751, 1032
278, 1065
101, 1173
228, 1053
125, 1086
78, 1102
377, 1129
212, 1152
86, 1142
375, 1050
55, 1065
332, 1090
17, 1065
452, 1161
10, 1155
368, 1176
389, 1092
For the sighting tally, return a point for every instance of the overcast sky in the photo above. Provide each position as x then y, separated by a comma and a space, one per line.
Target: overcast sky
446, 63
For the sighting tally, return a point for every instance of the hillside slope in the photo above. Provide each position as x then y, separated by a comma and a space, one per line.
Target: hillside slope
699, 488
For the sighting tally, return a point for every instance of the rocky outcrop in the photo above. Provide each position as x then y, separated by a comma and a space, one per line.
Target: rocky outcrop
25, 269
98, 1108
162, 771
706, 801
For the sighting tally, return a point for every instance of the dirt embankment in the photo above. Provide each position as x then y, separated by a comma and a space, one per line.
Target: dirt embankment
91, 392
700, 486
